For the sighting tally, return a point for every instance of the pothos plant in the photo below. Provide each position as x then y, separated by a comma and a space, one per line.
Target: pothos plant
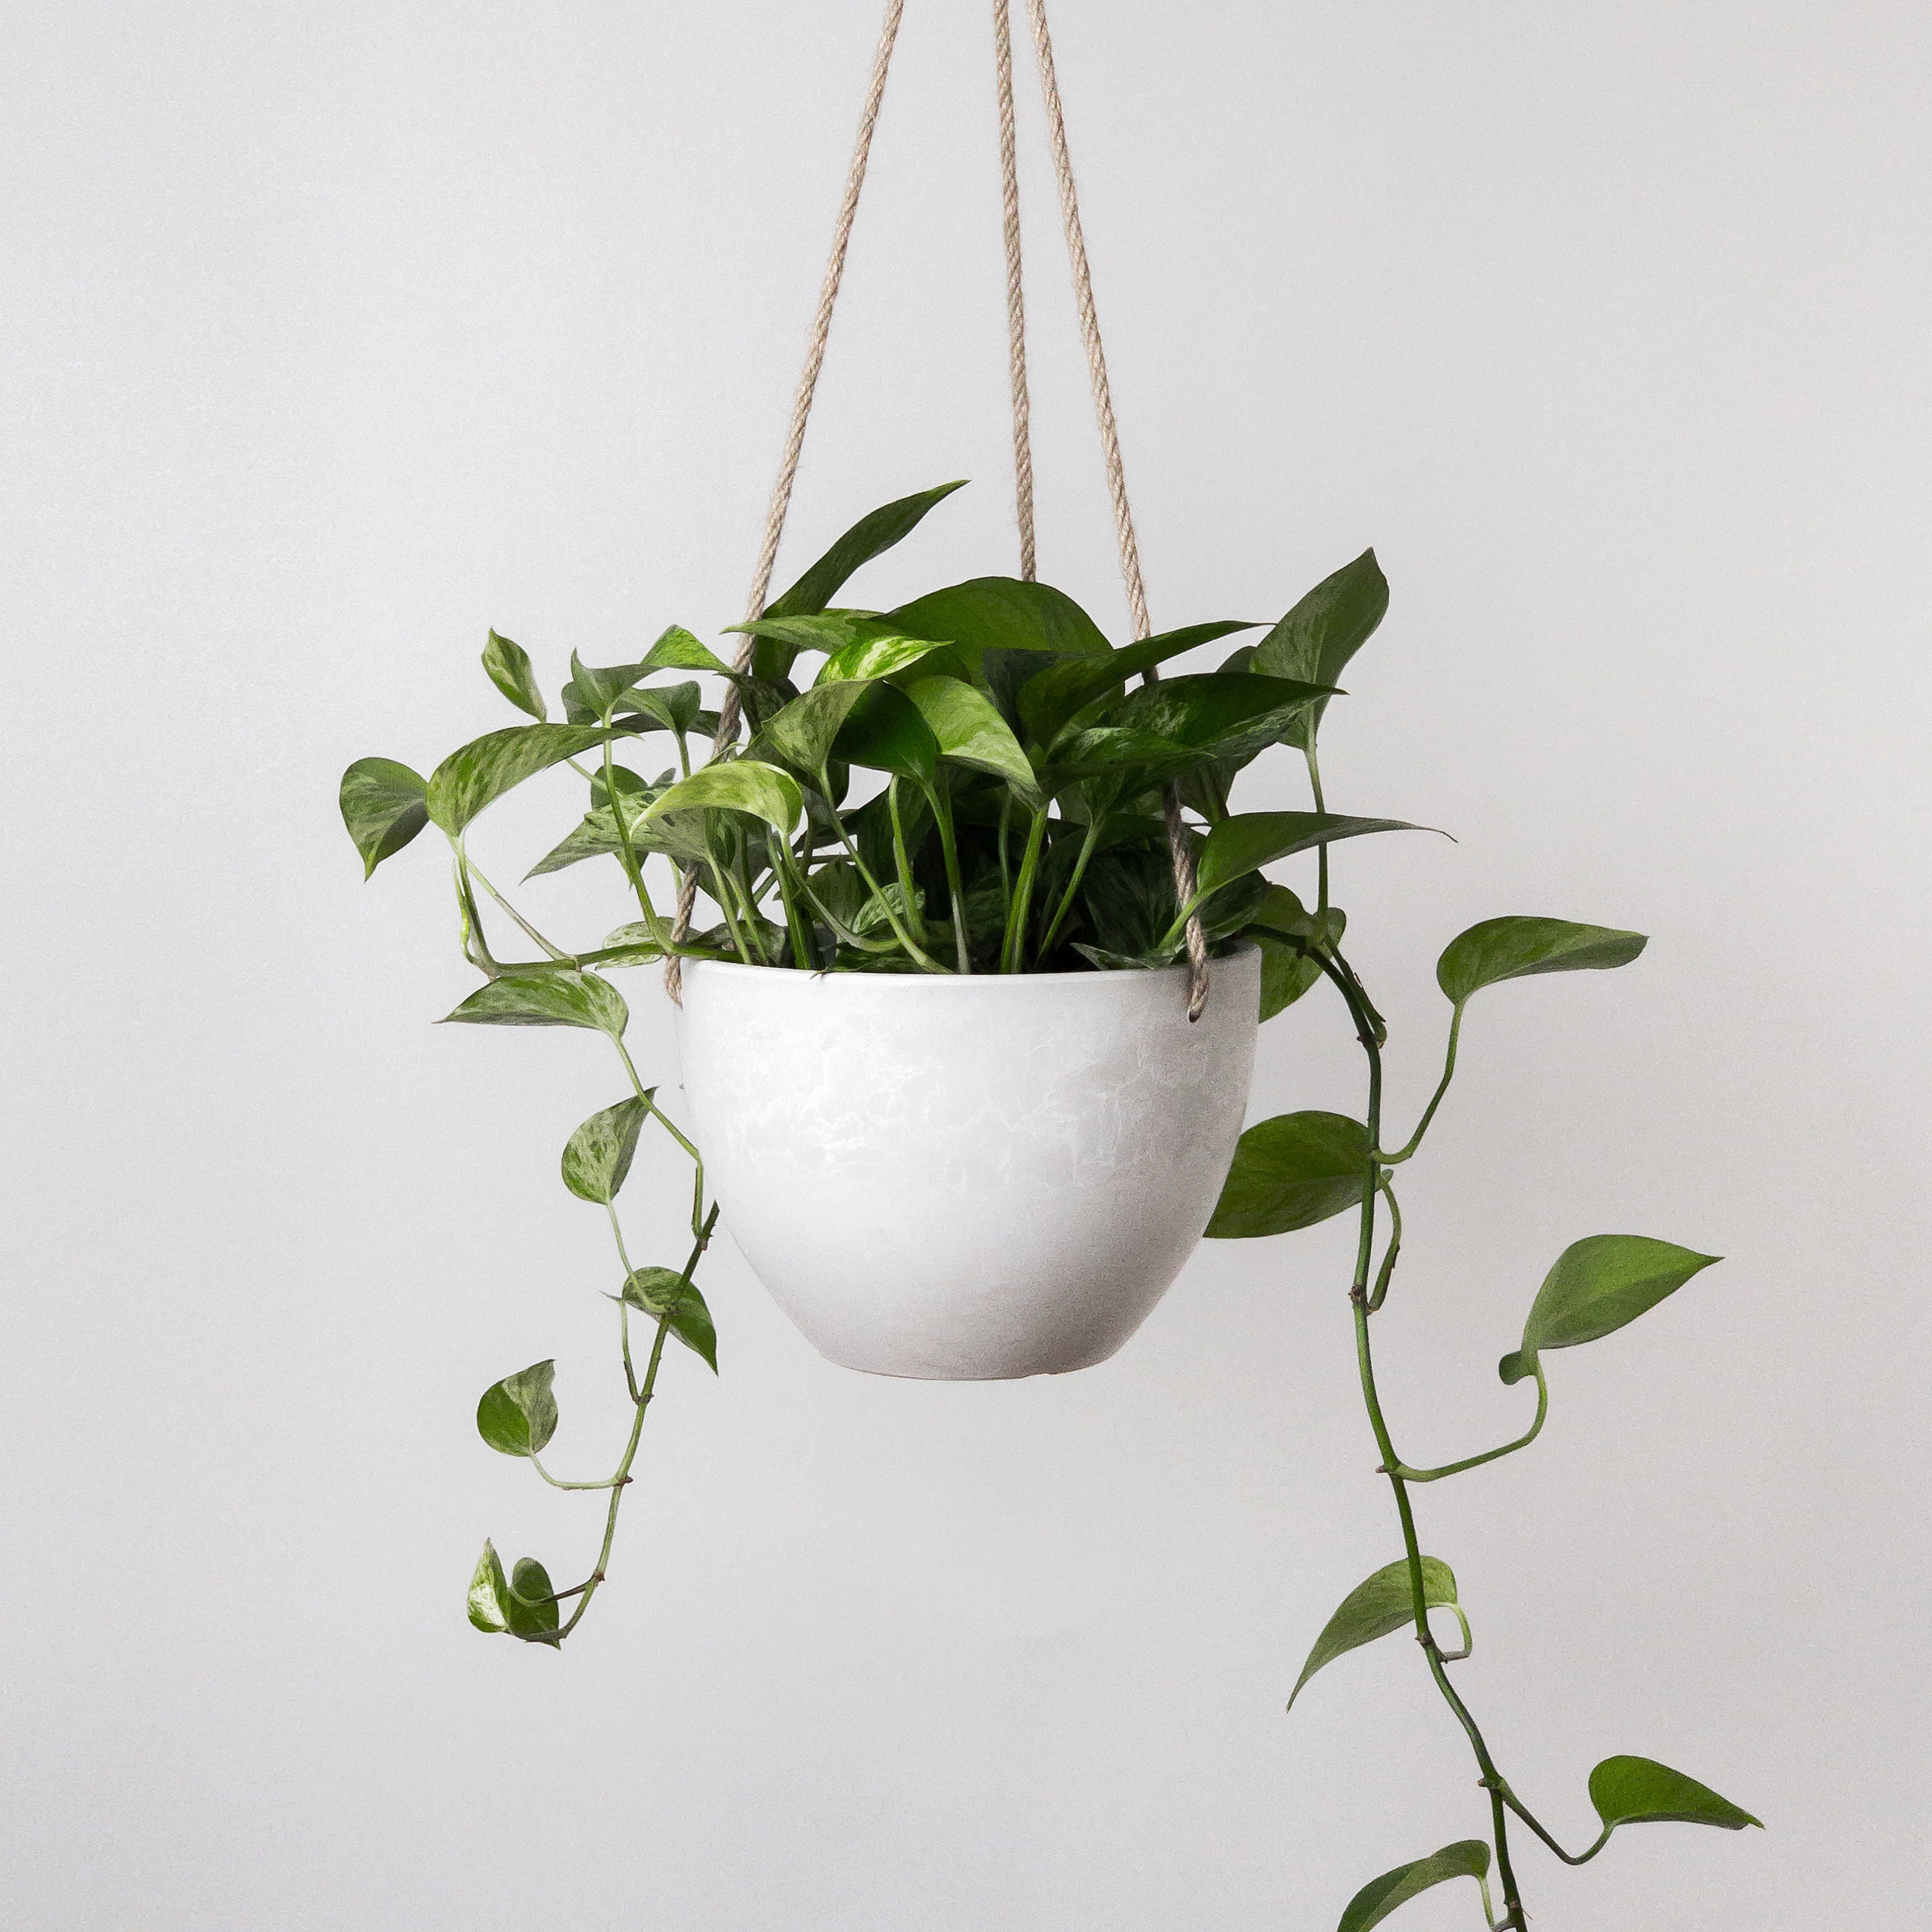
1017, 820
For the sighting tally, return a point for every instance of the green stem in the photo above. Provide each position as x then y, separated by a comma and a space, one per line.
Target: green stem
721, 892
1516, 1805
1360, 1009
475, 946
556, 952
901, 863
942, 813
913, 947
1523, 1441
1012, 956
1380, 1293
1066, 906
609, 1482
1414, 1140
804, 954
1321, 851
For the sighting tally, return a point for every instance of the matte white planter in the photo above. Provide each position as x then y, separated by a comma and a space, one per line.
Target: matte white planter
966, 1179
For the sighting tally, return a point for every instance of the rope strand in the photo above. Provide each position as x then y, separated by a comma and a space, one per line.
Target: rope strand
1009, 202
1182, 859
729, 711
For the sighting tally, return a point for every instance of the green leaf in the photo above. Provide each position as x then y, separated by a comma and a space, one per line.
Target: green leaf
1048, 700
1468, 1858
802, 734
517, 1415
597, 1155
483, 770
1640, 1791
665, 1295
884, 732
1249, 840
969, 732
1374, 1609
874, 657
592, 693
677, 707
1230, 715
1515, 948
489, 1594
1316, 639
677, 650
531, 1618
384, 806
1291, 1172
508, 666
562, 998
740, 784
1598, 1285
868, 537
1000, 614
1288, 972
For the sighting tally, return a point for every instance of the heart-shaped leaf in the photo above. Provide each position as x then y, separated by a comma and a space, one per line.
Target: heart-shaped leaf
1598, 1285
677, 650
517, 1415
1047, 701
1515, 948
563, 998
592, 693
969, 731
483, 770
1640, 1791
531, 1603
1383, 1604
884, 732
802, 733
881, 656
740, 784
384, 804
1468, 1858
1250, 840
597, 1155
1000, 614
666, 1294
1315, 641
868, 537
677, 707
1291, 1172
508, 666
1221, 715
489, 1593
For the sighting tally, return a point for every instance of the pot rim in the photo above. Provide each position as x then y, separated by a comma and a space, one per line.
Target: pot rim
1105, 976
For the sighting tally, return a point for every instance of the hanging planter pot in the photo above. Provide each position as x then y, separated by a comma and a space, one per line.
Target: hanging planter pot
966, 1179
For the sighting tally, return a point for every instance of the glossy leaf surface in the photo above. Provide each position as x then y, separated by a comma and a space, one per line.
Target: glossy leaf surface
677, 650
969, 731
508, 666
1249, 840
884, 732
1221, 714
532, 1618
1640, 1791
1048, 700
1597, 1286
1000, 614
562, 998
598, 1157
1515, 948
664, 1293
1316, 639
881, 656
1468, 1858
1291, 1172
489, 1593
518, 1416
803, 732
871, 536
483, 770
384, 804
740, 784
1375, 1609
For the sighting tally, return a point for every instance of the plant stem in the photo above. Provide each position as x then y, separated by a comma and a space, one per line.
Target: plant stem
902, 864
1338, 971
912, 945
1523, 1441
1321, 851
556, 952
1012, 958
1087, 845
942, 813
1380, 1294
1414, 1140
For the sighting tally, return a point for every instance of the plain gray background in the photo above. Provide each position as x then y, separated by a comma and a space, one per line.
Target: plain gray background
335, 334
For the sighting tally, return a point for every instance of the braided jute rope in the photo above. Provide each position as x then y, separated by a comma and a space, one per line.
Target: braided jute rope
801, 409
1182, 858
729, 711
1009, 207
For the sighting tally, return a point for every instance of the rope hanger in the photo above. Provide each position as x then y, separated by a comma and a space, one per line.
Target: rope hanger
729, 711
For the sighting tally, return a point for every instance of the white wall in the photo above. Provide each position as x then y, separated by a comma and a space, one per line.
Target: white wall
333, 334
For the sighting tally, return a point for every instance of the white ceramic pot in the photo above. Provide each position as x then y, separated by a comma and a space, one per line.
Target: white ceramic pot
966, 1178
